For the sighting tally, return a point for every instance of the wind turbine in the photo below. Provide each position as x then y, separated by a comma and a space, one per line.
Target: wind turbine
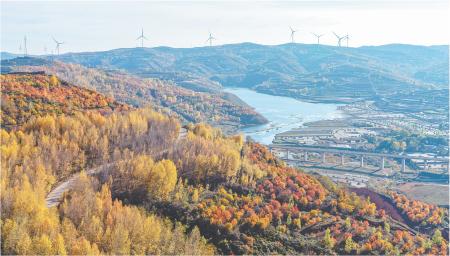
57, 45
292, 34
339, 38
25, 51
142, 37
346, 38
318, 37
210, 38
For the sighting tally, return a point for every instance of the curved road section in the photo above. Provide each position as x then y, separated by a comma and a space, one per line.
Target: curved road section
54, 197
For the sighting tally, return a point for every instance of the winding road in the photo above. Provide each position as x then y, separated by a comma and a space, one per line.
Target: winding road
54, 197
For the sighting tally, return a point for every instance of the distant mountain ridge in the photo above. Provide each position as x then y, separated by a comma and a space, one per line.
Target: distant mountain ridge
305, 71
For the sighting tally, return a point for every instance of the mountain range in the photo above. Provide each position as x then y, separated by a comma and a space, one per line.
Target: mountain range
220, 109
132, 181
299, 70
384, 74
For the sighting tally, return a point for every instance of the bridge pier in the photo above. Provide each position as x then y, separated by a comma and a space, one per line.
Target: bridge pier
322, 152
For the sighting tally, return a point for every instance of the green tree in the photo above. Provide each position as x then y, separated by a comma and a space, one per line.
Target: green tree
349, 245
387, 227
328, 241
194, 196
437, 237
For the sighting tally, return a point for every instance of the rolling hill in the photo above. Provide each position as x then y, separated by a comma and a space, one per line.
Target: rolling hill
217, 108
312, 72
160, 190
384, 74
25, 95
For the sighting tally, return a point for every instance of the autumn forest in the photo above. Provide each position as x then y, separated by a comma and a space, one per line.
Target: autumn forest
148, 182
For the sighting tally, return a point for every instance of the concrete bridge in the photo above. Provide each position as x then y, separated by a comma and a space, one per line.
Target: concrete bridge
361, 154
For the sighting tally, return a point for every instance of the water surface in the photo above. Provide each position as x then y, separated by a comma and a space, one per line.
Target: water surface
283, 113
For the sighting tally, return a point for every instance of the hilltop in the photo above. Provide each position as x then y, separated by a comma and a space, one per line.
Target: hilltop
25, 95
304, 71
251, 65
392, 76
217, 108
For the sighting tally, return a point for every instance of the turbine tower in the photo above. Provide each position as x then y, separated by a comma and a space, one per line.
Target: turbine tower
318, 37
339, 38
142, 37
210, 38
25, 51
346, 38
57, 45
292, 34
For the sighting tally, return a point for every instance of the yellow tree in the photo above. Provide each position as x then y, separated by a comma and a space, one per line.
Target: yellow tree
42, 246
163, 178
54, 81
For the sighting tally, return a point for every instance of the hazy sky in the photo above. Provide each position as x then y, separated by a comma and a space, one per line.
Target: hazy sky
103, 25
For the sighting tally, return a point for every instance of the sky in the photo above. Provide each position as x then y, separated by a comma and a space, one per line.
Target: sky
104, 25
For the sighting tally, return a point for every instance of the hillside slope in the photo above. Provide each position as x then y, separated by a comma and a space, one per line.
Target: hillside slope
220, 109
162, 193
302, 71
237, 195
36, 94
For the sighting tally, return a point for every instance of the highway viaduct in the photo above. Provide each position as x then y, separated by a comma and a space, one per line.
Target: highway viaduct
361, 154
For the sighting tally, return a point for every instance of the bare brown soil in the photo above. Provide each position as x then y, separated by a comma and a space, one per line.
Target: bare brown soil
381, 202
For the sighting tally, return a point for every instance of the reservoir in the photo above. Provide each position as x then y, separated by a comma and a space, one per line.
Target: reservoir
283, 113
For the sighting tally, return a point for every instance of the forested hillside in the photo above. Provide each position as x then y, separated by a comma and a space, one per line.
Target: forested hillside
218, 108
312, 72
163, 191
26, 94
48, 149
